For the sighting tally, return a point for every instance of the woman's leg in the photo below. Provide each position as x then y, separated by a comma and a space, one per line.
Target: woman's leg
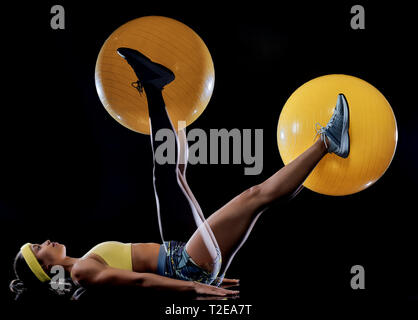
232, 223
178, 214
178, 210
167, 191
175, 214
183, 149
182, 165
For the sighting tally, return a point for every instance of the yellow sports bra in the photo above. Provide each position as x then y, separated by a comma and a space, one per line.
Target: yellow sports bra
115, 254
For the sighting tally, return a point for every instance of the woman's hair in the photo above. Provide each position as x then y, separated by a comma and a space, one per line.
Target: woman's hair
27, 286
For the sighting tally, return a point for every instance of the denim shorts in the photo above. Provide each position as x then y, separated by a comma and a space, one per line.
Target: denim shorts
176, 263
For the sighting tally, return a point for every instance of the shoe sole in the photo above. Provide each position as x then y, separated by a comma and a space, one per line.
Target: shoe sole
345, 140
134, 56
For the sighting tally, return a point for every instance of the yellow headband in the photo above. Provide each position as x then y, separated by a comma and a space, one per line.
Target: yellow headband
33, 263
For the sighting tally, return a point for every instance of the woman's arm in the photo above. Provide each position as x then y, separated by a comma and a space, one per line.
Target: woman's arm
90, 272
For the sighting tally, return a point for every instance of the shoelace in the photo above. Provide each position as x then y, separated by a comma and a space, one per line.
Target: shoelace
138, 85
321, 132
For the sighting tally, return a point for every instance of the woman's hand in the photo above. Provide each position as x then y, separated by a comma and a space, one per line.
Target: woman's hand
227, 283
205, 289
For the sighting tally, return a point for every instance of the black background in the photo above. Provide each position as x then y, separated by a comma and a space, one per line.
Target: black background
72, 174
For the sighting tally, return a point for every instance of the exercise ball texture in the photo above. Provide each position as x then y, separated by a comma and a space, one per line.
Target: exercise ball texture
165, 41
372, 130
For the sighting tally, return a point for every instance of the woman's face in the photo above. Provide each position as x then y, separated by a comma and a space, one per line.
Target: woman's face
49, 253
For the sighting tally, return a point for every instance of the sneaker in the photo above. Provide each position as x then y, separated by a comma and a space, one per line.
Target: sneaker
336, 131
147, 71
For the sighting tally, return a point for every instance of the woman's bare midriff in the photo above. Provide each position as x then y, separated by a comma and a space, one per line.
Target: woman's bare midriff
145, 257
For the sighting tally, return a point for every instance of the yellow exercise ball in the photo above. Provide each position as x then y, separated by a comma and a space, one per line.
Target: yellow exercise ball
372, 129
165, 41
